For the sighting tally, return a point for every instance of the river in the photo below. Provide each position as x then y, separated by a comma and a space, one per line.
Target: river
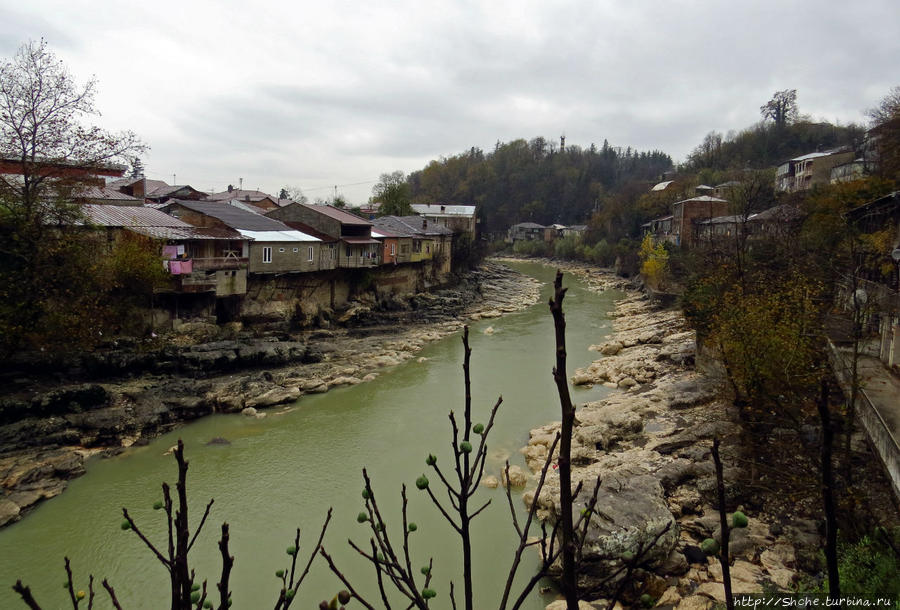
284, 471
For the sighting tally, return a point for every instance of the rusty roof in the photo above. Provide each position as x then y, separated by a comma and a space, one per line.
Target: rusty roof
106, 193
341, 216
151, 222
129, 216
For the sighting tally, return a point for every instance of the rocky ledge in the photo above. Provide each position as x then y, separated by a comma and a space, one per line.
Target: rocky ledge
48, 428
649, 446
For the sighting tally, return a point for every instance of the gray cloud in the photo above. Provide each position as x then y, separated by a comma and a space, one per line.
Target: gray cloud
320, 96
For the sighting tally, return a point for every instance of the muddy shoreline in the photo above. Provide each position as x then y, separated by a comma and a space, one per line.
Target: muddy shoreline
51, 421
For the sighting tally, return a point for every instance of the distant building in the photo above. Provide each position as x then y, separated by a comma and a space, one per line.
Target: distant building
847, 172
457, 218
804, 172
257, 198
156, 191
529, 231
429, 241
686, 215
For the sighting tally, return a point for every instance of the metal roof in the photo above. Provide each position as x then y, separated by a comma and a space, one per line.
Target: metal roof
411, 226
232, 216
270, 236
189, 232
662, 185
359, 240
439, 209
150, 222
529, 225
129, 216
106, 193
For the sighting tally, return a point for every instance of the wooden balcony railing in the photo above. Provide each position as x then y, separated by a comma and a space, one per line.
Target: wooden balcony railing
220, 262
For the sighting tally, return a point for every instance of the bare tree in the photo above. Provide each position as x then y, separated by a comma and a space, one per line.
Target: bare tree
782, 108
49, 154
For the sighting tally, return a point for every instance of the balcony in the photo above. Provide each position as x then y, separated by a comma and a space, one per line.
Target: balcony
356, 262
220, 262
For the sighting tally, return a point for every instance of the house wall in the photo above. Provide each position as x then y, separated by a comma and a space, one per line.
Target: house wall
286, 257
298, 213
685, 213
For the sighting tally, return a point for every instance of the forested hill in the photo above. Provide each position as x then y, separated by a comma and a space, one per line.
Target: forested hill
767, 144
535, 180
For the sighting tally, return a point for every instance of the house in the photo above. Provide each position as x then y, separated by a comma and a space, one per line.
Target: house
804, 172
199, 259
457, 218
779, 222
529, 231
356, 246
574, 230
257, 198
396, 245
429, 241
687, 213
659, 228
274, 247
848, 172
725, 190
155, 191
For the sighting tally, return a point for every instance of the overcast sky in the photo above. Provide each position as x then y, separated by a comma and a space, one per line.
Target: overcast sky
336, 93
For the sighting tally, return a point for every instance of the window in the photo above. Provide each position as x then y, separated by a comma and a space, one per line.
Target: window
393, 249
349, 251
296, 250
281, 249
309, 254
267, 254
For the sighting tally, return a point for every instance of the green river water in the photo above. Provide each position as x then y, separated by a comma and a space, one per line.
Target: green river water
284, 471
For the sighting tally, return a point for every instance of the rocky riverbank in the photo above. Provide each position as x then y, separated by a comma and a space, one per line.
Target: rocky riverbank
59, 411
649, 445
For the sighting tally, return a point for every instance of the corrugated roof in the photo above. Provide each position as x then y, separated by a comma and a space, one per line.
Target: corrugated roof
529, 225
151, 222
439, 209
662, 185
129, 216
234, 217
359, 240
394, 226
411, 226
107, 193
189, 232
270, 236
